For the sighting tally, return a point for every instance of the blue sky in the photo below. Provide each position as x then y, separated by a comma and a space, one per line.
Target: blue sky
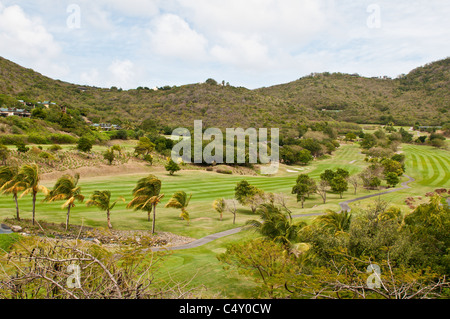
250, 43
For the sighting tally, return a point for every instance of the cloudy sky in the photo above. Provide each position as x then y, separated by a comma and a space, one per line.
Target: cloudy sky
251, 43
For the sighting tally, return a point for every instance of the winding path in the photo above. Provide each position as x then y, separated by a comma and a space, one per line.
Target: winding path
344, 207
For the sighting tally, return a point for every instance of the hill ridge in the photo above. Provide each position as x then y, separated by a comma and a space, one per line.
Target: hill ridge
420, 96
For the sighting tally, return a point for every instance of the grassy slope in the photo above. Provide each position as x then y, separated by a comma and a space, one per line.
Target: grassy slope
428, 165
200, 263
208, 186
205, 187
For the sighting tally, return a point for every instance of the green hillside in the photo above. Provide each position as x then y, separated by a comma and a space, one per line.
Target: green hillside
421, 96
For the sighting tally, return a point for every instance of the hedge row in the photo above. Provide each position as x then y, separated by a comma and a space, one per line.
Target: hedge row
9, 139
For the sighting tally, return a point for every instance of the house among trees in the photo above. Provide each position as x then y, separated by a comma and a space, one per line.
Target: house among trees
106, 127
425, 128
29, 104
46, 104
6, 112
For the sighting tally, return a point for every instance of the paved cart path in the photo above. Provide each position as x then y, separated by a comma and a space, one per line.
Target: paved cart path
344, 207
5, 229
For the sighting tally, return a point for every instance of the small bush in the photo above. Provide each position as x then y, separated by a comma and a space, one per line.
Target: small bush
224, 171
84, 144
55, 148
62, 139
37, 139
46, 155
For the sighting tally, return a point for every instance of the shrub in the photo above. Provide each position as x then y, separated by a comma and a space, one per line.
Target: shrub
148, 158
438, 143
16, 130
12, 139
55, 148
37, 139
172, 167
109, 156
84, 144
62, 139
224, 171
46, 155
118, 135
22, 148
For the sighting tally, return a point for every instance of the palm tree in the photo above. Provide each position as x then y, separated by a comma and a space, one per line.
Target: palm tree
220, 206
146, 196
276, 225
10, 184
180, 200
102, 200
336, 222
66, 188
29, 177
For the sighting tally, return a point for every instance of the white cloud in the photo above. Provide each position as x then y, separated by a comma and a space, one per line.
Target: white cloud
122, 72
287, 21
135, 8
255, 35
247, 52
172, 37
25, 40
251, 42
90, 77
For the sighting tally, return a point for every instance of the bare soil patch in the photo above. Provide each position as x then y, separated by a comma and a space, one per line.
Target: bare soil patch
131, 167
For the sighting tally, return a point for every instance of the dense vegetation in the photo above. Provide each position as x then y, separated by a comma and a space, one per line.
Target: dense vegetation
329, 257
402, 247
422, 94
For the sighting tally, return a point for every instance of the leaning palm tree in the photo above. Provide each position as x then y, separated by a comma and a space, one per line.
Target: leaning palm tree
180, 200
275, 225
9, 184
220, 206
146, 196
102, 200
29, 176
66, 188
336, 222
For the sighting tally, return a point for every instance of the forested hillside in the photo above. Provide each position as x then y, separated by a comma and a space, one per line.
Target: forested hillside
421, 96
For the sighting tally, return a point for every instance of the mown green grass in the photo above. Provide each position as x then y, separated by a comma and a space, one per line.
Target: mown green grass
429, 166
204, 186
201, 268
